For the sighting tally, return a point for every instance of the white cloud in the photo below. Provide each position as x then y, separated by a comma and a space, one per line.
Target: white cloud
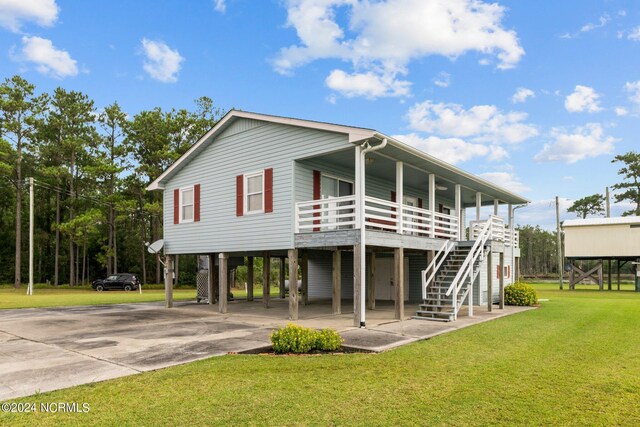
634, 34
580, 143
368, 85
621, 111
522, 94
451, 150
47, 58
583, 98
482, 123
162, 63
384, 46
220, 6
13, 13
602, 21
568, 178
633, 89
508, 180
442, 80
543, 213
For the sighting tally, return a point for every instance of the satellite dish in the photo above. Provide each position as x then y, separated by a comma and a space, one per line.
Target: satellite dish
156, 246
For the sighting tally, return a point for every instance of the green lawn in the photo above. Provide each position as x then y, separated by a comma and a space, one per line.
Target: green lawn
17, 298
574, 361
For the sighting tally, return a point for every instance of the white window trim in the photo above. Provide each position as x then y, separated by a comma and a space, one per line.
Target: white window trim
245, 202
336, 177
193, 205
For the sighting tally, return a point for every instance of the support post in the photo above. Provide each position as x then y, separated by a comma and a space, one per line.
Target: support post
496, 204
293, 283
250, 278
266, 273
398, 279
458, 208
305, 277
618, 273
600, 276
432, 205
358, 281
470, 296
283, 291
609, 274
336, 293
371, 284
490, 281
399, 195
559, 243
31, 225
168, 281
478, 205
211, 278
223, 281
501, 280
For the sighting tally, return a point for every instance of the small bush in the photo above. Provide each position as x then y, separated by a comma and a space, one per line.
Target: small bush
520, 294
297, 339
293, 339
328, 340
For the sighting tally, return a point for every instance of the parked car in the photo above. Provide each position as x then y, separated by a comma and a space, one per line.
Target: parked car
125, 281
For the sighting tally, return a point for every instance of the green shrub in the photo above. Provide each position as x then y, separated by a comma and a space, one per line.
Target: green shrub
328, 340
520, 294
293, 339
297, 339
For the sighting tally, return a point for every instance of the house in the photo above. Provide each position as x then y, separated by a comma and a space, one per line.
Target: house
599, 239
358, 211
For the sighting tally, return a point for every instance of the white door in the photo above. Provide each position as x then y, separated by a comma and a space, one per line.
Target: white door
330, 188
384, 280
412, 202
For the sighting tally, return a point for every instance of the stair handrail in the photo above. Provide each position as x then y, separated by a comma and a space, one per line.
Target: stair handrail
464, 270
435, 265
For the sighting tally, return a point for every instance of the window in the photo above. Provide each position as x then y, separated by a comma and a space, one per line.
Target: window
254, 183
186, 204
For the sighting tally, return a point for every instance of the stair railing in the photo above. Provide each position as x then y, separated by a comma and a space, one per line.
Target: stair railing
467, 266
434, 266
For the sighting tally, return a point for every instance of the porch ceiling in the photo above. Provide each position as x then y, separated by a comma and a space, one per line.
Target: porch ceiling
452, 174
416, 175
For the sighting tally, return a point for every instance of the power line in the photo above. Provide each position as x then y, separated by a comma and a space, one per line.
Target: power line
52, 187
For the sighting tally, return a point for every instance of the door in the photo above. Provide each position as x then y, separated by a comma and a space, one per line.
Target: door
384, 280
412, 202
110, 282
331, 187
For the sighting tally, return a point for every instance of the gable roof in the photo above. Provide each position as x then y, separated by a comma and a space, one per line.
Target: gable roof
356, 135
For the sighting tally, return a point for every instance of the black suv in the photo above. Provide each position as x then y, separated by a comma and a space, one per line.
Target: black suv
126, 281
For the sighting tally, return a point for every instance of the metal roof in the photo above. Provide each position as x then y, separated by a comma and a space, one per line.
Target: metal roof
356, 135
602, 221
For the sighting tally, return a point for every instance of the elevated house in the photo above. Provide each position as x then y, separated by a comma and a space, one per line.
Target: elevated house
360, 215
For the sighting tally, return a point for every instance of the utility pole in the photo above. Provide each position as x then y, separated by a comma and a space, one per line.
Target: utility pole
559, 244
30, 287
607, 202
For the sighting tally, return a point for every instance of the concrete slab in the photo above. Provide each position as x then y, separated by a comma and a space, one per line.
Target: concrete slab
50, 348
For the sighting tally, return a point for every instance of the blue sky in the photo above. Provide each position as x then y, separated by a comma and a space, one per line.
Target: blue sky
536, 96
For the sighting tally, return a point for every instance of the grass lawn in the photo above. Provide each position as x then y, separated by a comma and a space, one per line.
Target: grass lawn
574, 361
49, 297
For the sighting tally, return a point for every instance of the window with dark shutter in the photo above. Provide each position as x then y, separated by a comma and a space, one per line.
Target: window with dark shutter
196, 202
176, 206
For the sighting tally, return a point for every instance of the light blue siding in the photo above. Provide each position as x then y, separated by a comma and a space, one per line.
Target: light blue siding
215, 169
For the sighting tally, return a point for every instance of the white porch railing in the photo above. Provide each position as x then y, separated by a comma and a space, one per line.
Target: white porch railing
498, 231
336, 213
339, 213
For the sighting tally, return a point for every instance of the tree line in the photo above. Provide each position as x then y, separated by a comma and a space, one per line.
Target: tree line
91, 167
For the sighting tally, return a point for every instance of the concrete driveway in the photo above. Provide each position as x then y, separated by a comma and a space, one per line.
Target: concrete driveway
51, 348
43, 349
